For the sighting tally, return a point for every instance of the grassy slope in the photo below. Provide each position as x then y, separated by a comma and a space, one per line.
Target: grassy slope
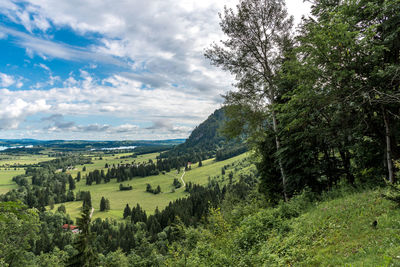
118, 199
334, 232
339, 232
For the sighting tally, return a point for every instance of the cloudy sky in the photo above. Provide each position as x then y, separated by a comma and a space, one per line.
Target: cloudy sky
109, 70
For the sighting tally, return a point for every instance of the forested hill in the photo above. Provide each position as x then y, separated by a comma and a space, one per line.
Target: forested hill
206, 135
206, 140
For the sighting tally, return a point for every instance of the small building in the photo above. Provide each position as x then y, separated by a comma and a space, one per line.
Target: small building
74, 229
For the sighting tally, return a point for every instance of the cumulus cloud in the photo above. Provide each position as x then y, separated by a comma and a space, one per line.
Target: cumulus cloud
14, 111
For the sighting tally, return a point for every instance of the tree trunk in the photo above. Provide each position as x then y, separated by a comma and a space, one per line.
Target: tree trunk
275, 125
346, 165
388, 147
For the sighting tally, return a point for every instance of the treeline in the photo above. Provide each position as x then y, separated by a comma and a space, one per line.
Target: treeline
230, 152
125, 172
66, 161
151, 149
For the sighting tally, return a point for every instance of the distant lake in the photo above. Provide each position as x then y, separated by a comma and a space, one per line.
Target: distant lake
114, 148
13, 147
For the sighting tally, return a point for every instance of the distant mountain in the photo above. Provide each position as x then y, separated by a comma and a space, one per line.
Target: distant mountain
206, 139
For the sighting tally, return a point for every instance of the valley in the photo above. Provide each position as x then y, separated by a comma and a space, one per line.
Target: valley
149, 202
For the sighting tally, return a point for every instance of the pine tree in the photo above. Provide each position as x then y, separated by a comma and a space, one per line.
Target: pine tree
72, 185
127, 211
102, 204
87, 200
84, 243
158, 190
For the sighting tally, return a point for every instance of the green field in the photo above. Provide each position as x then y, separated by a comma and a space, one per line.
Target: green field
149, 202
99, 161
6, 175
7, 172
10, 160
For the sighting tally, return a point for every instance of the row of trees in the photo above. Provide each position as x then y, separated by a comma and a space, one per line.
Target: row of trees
124, 172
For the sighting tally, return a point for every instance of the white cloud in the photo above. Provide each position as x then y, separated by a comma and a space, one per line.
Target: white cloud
6, 80
47, 48
160, 44
43, 66
15, 110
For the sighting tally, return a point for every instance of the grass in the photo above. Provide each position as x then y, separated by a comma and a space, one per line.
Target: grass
149, 202
7, 172
6, 175
339, 232
99, 161
10, 160
336, 231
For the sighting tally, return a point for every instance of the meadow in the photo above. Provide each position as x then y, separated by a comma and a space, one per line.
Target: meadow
148, 201
8, 169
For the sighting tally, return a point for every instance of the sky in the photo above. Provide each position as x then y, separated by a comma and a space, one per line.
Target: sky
110, 70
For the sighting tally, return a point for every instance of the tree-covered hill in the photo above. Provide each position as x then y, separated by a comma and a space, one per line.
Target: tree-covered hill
206, 141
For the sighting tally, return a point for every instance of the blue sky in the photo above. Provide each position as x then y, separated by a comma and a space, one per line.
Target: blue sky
109, 70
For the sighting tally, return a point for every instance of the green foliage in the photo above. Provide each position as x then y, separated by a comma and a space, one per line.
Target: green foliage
104, 204
115, 259
18, 227
86, 255
393, 193
309, 230
61, 208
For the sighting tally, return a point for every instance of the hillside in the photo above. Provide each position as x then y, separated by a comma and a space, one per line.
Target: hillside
206, 139
338, 230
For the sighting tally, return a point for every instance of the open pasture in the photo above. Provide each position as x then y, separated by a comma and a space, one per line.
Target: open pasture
148, 201
9, 168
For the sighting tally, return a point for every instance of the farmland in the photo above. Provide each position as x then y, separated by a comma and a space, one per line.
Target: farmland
11, 165
149, 202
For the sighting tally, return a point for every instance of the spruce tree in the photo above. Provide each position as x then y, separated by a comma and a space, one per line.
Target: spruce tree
102, 204
127, 211
84, 243
72, 185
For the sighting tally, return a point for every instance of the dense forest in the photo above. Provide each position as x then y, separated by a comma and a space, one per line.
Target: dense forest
318, 106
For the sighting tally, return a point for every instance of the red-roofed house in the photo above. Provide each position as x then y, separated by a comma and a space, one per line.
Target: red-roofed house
71, 227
